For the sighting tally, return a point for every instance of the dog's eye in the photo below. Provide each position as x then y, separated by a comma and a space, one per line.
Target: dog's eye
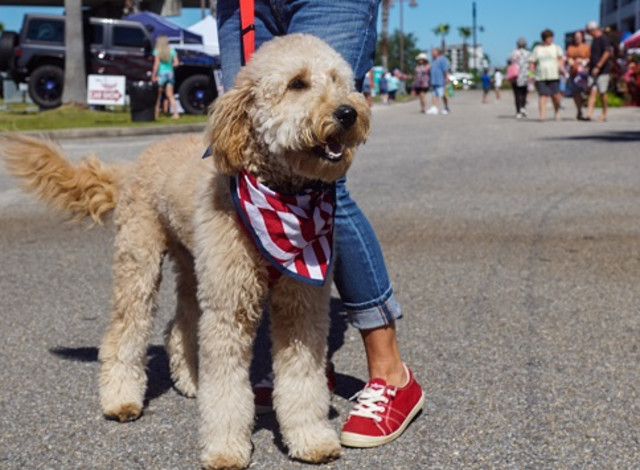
298, 84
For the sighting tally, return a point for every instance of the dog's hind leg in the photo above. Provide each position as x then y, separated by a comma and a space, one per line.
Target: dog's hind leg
140, 245
232, 287
300, 326
181, 337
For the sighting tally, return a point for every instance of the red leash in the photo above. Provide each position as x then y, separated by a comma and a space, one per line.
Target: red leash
247, 28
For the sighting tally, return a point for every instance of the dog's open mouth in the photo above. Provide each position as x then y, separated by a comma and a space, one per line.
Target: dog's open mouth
331, 151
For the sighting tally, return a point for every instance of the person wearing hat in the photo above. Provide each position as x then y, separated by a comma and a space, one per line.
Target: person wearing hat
599, 70
421, 80
520, 57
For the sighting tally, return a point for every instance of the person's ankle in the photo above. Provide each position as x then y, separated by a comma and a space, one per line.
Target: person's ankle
394, 373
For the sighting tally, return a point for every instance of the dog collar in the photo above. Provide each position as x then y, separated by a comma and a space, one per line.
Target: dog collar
294, 233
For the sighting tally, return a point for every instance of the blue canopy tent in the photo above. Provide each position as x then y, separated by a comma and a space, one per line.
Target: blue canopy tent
159, 25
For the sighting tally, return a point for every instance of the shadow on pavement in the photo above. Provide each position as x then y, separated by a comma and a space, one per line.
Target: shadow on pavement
261, 364
159, 377
613, 136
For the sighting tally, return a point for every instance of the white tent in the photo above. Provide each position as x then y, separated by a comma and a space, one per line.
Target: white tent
208, 29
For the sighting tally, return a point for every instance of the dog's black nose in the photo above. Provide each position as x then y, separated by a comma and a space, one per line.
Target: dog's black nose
346, 115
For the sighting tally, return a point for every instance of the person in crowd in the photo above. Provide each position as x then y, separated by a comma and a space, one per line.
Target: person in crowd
498, 78
368, 87
393, 84
547, 63
438, 78
383, 87
392, 396
578, 54
631, 79
519, 76
164, 62
485, 78
421, 80
599, 70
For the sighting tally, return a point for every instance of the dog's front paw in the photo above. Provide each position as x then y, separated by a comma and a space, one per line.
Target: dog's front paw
317, 445
230, 457
123, 413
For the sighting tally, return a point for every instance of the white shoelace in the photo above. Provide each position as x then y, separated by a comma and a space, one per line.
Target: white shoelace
368, 399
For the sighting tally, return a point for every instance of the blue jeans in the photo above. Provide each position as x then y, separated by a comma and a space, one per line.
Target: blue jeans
349, 27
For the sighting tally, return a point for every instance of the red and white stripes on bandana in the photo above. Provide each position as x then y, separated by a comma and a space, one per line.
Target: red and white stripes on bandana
294, 233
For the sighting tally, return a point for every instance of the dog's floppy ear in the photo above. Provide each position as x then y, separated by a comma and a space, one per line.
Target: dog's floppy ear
229, 127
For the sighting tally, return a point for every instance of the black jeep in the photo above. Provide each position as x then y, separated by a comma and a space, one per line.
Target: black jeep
112, 47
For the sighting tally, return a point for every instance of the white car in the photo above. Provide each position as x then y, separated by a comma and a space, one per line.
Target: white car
461, 80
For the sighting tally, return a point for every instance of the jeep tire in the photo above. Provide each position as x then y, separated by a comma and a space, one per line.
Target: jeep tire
45, 86
196, 93
8, 41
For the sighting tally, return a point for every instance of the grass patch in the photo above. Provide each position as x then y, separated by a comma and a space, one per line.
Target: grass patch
23, 118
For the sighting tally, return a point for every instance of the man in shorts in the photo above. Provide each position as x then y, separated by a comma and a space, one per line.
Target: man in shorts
439, 77
599, 70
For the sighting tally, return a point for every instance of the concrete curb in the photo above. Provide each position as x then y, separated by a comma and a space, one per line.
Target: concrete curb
80, 133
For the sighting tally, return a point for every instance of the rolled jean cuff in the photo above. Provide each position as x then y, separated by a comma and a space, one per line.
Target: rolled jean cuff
374, 314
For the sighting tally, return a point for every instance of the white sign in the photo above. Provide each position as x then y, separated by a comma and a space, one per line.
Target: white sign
106, 89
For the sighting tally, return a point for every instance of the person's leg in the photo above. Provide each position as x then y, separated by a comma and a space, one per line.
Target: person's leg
158, 102
363, 283
359, 270
605, 106
523, 99
423, 101
577, 99
228, 18
542, 107
172, 101
556, 98
603, 87
593, 95
516, 98
360, 274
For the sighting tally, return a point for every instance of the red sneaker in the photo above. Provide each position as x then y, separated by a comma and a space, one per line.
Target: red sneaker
381, 413
263, 390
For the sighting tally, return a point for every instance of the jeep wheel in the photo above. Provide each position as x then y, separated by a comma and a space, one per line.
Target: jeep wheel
196, 92
45, 86
8, 41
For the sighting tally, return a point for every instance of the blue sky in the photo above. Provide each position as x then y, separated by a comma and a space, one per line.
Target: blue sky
503, 20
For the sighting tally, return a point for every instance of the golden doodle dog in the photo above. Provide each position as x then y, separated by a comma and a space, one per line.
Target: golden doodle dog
293, 121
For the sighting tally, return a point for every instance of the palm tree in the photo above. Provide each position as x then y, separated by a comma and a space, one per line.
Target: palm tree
465, 34
75, 78
384, 37
442, 30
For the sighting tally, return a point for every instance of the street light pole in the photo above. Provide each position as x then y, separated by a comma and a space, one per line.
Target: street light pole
401, 37
475, 45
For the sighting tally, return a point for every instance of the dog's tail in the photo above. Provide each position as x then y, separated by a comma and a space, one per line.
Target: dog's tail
88, 189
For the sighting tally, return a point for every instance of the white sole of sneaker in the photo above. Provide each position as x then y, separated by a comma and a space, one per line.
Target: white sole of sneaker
349, 439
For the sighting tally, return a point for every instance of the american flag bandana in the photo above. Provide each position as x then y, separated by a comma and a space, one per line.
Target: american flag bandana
294, 233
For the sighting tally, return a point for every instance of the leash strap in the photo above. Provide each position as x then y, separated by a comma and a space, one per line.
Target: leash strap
247, 28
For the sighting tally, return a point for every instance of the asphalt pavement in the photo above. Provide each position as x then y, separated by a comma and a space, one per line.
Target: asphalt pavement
513, 247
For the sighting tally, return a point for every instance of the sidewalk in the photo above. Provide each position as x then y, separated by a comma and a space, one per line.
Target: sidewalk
88, 132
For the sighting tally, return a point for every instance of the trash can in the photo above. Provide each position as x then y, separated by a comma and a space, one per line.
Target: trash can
142, 100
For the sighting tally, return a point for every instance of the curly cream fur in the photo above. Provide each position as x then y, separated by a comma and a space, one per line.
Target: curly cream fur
173, 202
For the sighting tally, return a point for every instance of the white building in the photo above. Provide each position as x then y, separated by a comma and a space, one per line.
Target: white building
455, 54
623, 15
